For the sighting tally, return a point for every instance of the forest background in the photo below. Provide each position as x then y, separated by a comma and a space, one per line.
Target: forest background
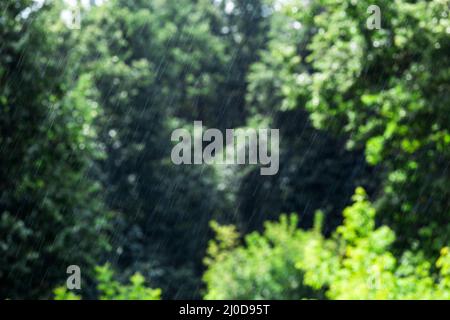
86, 178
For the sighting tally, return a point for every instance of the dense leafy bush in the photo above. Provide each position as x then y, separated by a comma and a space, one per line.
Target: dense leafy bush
265, 268
110, 289
355, 263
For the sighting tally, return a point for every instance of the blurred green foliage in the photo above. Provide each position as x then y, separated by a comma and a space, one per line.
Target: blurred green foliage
356, 263
110, 289
51, 213
386, 91
316, 169
264, 268
285, 262
86, 175
152, 64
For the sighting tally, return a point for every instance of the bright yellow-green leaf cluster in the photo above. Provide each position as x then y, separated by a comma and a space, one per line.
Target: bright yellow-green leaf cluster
110, 289
354, 263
